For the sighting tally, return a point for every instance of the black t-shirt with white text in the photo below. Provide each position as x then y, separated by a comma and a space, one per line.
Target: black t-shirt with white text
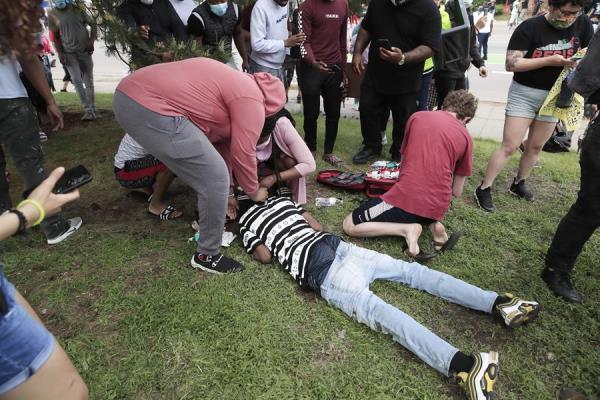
407, 26
539, 39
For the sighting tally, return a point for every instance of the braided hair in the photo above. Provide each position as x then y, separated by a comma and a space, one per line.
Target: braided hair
271, 121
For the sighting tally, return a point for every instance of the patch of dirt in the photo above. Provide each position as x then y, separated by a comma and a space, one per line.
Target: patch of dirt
141, 269
72, 120
330, 354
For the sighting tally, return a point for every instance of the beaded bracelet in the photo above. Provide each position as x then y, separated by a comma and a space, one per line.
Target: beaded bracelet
22, 219
38, 206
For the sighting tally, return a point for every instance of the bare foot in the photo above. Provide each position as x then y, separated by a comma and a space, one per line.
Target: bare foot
439, 234
413, 232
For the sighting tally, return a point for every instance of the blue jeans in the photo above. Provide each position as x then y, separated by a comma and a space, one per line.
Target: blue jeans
25, 344
347, 287
254, 67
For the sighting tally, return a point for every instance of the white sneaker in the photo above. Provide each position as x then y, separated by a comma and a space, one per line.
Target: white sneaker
43, 137
517, 311
74, 225
88, 116
383, 137
480, 381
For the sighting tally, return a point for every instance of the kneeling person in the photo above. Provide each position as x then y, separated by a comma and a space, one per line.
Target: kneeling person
136, 169
341, 273
437, 157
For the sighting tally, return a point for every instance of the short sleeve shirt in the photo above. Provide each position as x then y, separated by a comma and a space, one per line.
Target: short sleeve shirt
436, 147
539, 39
415, 23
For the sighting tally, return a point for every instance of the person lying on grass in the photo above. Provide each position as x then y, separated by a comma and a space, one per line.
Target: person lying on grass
136, 169
437, 157
341, 273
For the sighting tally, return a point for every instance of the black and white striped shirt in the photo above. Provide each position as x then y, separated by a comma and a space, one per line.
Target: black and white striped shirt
279, 225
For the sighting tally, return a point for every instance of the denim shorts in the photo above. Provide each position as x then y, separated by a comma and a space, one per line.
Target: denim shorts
25, 344
524, 101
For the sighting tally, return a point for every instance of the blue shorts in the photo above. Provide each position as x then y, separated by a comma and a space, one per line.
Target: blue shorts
526, 102
25, 344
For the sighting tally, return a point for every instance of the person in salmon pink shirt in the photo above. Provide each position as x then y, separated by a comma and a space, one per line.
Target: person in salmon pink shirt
202, 119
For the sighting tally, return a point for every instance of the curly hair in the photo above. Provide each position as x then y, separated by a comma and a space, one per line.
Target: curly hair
560, 3
19, 24
461, 102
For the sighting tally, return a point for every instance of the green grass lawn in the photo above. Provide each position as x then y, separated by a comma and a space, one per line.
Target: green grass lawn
139, 323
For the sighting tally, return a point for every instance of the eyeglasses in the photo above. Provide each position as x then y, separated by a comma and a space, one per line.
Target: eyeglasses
569, 14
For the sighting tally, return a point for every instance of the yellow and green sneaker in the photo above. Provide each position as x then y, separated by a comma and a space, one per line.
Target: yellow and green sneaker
479, 382
516, 312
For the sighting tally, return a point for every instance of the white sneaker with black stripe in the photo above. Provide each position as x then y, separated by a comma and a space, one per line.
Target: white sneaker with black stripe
74, 225
480, 381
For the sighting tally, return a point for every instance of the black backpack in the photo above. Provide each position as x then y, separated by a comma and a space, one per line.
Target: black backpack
560, 141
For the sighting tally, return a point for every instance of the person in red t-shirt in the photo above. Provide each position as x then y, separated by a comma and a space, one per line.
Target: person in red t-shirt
437, 157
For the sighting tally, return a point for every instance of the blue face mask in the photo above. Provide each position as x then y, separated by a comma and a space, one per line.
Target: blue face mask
60, 4
218, 9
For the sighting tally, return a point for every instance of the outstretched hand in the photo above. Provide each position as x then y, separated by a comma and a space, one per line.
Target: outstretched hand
50, 202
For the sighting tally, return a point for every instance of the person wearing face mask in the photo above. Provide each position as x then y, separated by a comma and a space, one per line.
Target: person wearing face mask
269, 37
216, 21
281, 149
154, 20
75, 45
538, 50
402, 35
202, 119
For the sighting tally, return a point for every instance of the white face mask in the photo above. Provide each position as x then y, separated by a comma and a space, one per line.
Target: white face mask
147, 2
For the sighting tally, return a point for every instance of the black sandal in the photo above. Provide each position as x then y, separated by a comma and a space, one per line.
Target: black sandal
450, 243
421, 257
166, 214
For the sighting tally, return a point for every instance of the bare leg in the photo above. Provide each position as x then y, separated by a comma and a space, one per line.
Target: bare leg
410, 232
158, 203
438, 231
539, 134
57, 379
515, 129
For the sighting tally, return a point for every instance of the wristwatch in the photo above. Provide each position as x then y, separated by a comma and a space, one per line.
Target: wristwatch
401, 62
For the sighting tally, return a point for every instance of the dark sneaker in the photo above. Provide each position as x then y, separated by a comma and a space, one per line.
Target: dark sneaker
516, 311
217, 264
480, 381
74, 225
365, 155
560, 283
483, 197
521, 190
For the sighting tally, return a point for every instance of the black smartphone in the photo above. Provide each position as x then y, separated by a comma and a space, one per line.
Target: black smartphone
334, 67
72, 179
385, 43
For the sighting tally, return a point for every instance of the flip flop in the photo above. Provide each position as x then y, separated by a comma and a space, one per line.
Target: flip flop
167, 213
421, 257
450, 243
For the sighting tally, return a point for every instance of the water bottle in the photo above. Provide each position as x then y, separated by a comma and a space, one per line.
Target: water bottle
327, 201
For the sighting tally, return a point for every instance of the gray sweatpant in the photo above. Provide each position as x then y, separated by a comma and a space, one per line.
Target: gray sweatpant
81, 69
186, 150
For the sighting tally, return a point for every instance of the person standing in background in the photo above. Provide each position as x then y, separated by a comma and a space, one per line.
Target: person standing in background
75, 45
321, 72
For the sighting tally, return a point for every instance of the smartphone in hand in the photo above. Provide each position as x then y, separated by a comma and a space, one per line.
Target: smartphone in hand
72, 179
384, 43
